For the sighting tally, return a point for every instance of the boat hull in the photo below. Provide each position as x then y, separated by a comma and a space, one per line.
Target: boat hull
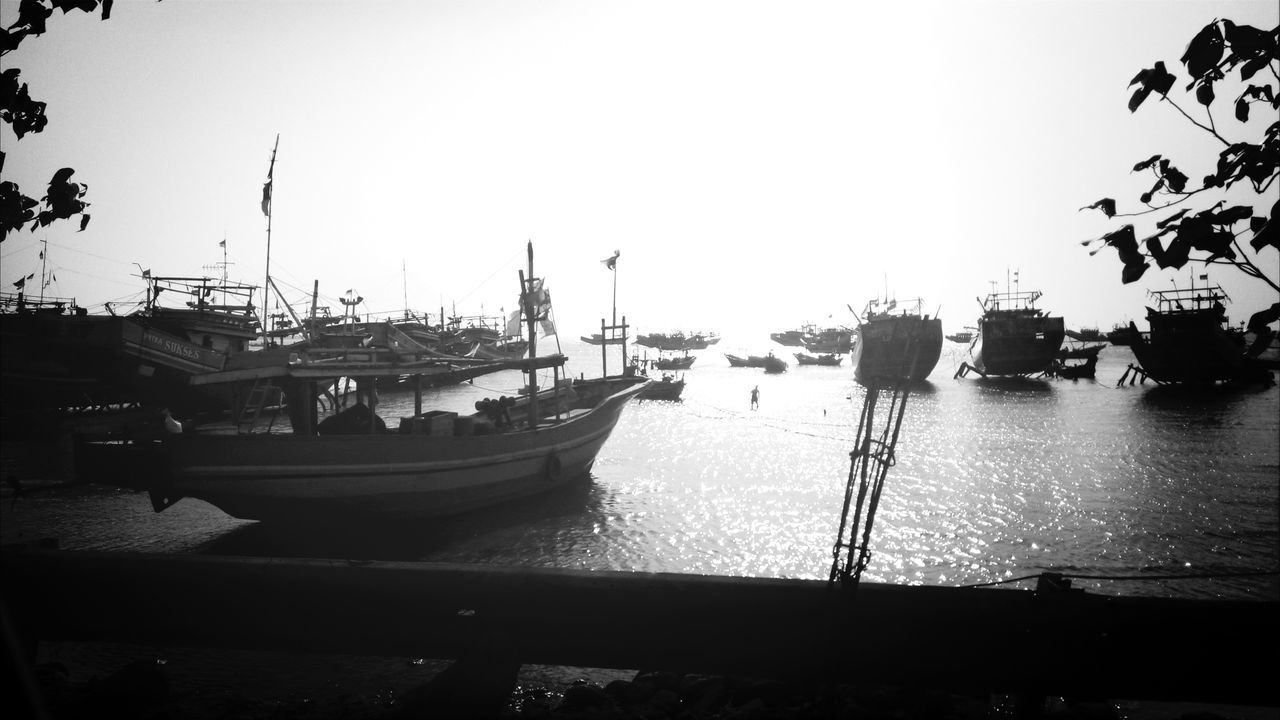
1189, 347
390, 476
890, 348
1011, 343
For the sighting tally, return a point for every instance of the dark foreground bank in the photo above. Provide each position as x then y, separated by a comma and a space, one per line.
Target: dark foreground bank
97, 680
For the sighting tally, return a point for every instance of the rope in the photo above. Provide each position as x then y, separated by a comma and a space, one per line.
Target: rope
1204, 576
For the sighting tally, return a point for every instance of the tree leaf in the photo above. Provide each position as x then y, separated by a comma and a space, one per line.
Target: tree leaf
1154, 79
1132, 273
1204, 51
1106, 205
1248, 41
1204, 93
1242, 110
1146, 163
84, 221
1263, 318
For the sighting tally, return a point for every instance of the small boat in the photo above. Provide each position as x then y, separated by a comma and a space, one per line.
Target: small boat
891, 348
773, 364
830, 359
1073, 371
756, 361
1190, 341
598, 339
668, 388
1080, 352
351, 466
964, 336
1014, 337
674, 362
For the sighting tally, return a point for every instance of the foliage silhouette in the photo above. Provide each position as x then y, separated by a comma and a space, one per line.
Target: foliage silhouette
25, 116
1209, 235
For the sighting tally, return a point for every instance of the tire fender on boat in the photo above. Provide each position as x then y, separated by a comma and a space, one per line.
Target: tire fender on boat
554, 468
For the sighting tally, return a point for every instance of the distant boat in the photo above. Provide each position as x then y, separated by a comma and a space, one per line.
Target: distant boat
675, 362
1085, 335
739, 361
1074, 371
837, 340
963, 336
825, 359
1014, 337
792, 338
774, 364
678, 340
891, 347
1189, 341
1119, 335
598, 339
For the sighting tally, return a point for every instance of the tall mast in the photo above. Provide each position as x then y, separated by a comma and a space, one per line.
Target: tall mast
266, 209
404, 274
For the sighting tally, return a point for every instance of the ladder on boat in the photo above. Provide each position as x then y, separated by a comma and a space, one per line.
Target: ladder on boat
263, 395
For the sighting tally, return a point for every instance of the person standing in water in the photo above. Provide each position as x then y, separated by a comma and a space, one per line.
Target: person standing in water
755, 397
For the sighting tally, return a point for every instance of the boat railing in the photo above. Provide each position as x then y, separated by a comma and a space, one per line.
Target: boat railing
1189, 299
1011, 301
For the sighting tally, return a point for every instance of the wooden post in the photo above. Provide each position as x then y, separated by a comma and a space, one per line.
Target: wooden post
604, 350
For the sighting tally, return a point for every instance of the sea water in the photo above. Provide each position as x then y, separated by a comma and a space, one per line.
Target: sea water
1132, 490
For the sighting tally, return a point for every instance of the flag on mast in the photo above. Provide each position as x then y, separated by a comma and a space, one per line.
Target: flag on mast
266, 188
612, 261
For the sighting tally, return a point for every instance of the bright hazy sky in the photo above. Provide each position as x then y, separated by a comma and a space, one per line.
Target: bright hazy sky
758, 164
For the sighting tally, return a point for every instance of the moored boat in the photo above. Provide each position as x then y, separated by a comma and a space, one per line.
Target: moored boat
892, 348
351, 465
1014, 337
1189, 340
829, 359
667, 388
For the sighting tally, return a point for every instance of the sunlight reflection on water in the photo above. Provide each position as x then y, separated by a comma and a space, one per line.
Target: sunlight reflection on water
994, 480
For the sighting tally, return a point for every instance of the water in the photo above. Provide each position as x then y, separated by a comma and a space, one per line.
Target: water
995, 480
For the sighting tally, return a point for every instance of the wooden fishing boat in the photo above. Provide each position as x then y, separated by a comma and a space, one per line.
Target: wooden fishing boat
351, 465
964, 336
667, 388
674, 362
774, 364
1074, 371
829, 359
891, 348
1014, 337
1189, 341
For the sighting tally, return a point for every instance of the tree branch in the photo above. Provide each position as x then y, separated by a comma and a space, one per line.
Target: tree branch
1195, 122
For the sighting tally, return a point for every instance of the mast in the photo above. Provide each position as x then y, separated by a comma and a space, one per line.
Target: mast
404, 275
266, 209
44, 258
531, 314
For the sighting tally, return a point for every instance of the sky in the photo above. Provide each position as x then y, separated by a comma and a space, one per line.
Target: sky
758, 164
